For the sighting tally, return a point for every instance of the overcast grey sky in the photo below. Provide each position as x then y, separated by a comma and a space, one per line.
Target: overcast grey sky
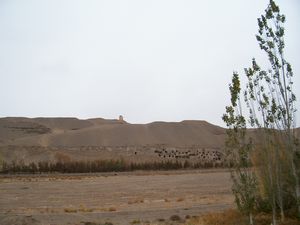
166, 60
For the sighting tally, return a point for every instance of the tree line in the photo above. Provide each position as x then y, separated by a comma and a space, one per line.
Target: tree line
66, 166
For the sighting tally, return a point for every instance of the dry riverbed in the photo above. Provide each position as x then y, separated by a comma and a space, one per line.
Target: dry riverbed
118, 198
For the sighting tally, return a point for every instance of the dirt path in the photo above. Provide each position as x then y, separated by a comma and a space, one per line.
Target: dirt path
120, 199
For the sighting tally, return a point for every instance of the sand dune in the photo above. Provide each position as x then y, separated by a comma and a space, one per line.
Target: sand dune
101, 132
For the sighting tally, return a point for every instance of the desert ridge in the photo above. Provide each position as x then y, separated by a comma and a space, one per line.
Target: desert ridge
40, 139
101, 132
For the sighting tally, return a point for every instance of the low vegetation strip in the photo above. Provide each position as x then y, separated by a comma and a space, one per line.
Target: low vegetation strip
100, 166
234, 217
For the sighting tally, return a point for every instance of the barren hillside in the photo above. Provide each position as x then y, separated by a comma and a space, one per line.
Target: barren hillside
100, 132
51, 139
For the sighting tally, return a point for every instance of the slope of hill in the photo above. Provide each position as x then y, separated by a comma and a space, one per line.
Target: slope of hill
100, 132
54, 139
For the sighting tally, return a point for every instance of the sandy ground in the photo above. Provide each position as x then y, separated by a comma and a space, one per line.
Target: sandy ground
120, 198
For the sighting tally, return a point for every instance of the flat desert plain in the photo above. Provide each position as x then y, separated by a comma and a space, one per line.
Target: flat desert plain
117, 198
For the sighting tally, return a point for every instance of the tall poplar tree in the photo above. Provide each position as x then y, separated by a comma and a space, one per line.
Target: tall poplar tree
270, 101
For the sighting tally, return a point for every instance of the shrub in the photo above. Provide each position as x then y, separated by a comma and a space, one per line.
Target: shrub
175, 218
112, 209
69, 210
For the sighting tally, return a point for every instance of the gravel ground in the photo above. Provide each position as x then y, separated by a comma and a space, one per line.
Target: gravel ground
119, 198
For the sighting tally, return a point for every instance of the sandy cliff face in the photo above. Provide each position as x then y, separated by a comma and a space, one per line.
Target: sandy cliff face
46, 139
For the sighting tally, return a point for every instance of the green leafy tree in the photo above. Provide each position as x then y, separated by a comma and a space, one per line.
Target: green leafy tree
238, 152
271, 110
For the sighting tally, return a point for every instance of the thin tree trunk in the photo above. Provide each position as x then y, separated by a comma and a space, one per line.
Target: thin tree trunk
272, 189
280, 200
250, 218
296, 186
273, 211
278, 175
291, 152
297, 189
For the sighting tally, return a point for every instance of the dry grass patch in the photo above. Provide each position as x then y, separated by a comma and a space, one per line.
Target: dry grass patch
70, 210
180, 199
167, 200
135, 201
175, 218
94, 223
233, 217
112, 209
84, 209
